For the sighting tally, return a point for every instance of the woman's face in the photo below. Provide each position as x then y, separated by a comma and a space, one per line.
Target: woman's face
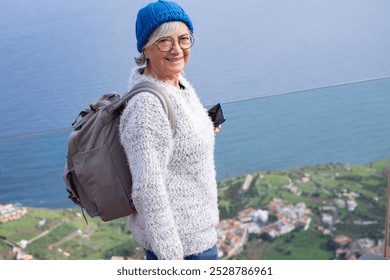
168, 65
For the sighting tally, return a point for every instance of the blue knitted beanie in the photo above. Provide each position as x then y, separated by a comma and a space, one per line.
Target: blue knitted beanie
153, 15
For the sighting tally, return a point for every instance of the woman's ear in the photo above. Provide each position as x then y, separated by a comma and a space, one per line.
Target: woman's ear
145, 54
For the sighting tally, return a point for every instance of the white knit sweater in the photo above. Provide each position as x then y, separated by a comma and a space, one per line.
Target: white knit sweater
174, 184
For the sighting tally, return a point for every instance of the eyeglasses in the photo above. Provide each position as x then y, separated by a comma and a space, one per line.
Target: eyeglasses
165, 44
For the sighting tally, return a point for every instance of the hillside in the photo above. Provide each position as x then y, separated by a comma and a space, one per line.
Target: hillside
65, 235
344, 200
353, 196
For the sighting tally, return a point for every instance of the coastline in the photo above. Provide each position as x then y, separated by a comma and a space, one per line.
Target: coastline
336, 201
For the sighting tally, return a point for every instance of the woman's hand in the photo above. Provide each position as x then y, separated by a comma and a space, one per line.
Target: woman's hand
217, 129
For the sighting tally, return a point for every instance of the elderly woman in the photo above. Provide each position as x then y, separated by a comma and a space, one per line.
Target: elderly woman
174, 180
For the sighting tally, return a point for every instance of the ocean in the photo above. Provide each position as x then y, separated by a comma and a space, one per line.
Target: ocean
300, 85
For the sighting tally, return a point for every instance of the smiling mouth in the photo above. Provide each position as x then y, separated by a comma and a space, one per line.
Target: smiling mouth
174, 59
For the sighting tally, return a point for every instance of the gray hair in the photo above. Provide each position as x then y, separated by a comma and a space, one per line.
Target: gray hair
164, 30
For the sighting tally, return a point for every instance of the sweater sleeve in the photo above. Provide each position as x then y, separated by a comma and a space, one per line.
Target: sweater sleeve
146, 136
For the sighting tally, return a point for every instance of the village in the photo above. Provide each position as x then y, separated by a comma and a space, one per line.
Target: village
233, 233
278, 218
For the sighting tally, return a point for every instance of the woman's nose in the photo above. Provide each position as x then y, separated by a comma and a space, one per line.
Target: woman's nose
176, 46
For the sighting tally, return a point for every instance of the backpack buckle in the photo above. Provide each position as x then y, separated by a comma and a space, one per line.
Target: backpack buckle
93, 106
81, 115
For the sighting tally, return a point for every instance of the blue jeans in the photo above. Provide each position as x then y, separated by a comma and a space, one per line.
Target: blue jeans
210, 254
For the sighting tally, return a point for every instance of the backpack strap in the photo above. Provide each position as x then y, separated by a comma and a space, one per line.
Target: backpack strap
165, 101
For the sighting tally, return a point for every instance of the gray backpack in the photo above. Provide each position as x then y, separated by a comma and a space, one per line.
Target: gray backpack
96, 173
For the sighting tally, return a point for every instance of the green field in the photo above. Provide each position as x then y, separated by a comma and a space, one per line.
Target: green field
326, 183
69, 232
307, 245
65, 235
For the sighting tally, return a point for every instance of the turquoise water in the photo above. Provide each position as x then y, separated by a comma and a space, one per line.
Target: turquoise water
346, 124
57, 56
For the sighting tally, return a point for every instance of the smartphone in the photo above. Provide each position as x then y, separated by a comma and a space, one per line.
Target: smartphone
216, 114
